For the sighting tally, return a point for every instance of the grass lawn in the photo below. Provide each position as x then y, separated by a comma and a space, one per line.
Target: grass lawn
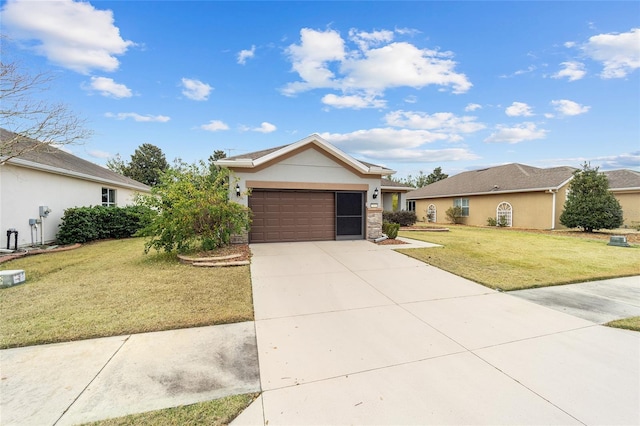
111, 288
513, 260
214, 413
632, 323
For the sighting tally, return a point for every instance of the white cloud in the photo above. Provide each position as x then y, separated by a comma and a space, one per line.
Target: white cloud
622, 161
138, 117
618, 52
472, 107
518, 109
365, 40
353, 101
322, 60
109, 88
74, 35
442, 122
411, 99
572, 70
567, 107
243, 55
195, 89
401, 145
265, 127
214, 126
523, 132
99, 154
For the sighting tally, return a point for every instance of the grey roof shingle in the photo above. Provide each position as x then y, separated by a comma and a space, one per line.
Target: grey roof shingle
623, 179
507, 178
390, 183
54, 157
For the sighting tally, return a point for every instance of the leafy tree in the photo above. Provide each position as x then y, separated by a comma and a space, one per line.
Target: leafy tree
147, 164
192, 210
590, 205
436, 175
117, 164
29, 118
218, 154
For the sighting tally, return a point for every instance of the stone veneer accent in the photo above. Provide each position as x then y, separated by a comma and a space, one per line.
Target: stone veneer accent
374, 223
240, 238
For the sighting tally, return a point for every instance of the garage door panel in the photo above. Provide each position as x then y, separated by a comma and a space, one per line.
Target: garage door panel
292, 216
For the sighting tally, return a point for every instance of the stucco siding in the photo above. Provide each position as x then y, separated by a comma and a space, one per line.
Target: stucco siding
23, 190
307, 167
530, 210
630, 203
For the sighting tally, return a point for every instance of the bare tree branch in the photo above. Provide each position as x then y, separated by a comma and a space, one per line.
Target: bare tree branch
29, 119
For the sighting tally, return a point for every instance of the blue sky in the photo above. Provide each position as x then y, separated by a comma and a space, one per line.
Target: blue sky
408, 85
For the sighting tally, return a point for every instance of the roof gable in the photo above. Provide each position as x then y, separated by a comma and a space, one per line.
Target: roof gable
506, 178
54, 160
260, 159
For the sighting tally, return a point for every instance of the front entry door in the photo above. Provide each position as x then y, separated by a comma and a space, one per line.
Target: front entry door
349, 215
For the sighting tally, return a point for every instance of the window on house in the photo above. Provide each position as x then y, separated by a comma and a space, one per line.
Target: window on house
504, 214
431, 213
411, 205
464, 204
108, 197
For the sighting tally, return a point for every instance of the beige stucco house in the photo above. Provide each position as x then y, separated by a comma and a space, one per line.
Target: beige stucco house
308, 191
524, 196
49, 179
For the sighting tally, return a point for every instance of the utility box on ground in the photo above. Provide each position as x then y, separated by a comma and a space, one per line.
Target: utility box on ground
12, 277
618, 240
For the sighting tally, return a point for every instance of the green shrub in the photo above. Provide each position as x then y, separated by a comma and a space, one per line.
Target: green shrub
84, 224
402, 217
502, 221
454, 214
491, 221
390, 229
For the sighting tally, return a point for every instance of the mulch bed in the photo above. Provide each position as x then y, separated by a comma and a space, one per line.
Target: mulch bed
234, 249
390, 241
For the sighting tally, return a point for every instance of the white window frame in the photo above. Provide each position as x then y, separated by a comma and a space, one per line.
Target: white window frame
430, 209
505, 209
463, 203
411, 205
110, 197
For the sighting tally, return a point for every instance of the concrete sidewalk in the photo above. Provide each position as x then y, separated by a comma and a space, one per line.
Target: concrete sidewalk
353, 333
77, 382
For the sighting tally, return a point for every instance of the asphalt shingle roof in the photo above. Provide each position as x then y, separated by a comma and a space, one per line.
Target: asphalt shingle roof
506, 178
54, 157
623, 179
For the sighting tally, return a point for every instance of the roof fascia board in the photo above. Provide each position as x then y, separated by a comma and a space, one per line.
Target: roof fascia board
56, 170
486, 193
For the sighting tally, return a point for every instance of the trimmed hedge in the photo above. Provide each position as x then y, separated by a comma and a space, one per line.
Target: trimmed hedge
84, 224
402, 217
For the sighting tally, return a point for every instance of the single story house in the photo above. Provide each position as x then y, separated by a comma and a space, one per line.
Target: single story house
522, 196
308, 191
37, 186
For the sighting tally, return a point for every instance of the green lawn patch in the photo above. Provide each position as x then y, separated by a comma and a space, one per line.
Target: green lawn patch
214, 413
632, 323
514, 260
111, 288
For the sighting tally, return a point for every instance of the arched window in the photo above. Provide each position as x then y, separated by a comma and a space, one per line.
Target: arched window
431, 213
504, 214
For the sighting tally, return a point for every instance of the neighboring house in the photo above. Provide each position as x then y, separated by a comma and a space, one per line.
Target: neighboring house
625, 185
521, 196
308, 191
51, 178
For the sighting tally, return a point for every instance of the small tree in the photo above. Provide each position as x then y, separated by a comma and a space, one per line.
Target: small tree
192, 210
454, 214
590, 205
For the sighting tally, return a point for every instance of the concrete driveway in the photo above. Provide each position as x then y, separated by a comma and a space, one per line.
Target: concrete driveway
353, 333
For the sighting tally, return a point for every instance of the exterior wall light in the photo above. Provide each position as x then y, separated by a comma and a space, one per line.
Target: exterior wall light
375, 193
237, 190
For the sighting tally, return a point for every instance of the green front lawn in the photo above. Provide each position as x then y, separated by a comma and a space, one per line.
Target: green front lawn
111, 288
513, 260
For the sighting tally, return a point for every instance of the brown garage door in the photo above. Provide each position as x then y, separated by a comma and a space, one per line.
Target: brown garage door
292, 216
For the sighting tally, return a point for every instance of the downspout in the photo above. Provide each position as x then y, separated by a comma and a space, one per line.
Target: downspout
553, 208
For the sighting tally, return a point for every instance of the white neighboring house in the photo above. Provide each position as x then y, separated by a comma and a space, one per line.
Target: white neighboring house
54, 180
